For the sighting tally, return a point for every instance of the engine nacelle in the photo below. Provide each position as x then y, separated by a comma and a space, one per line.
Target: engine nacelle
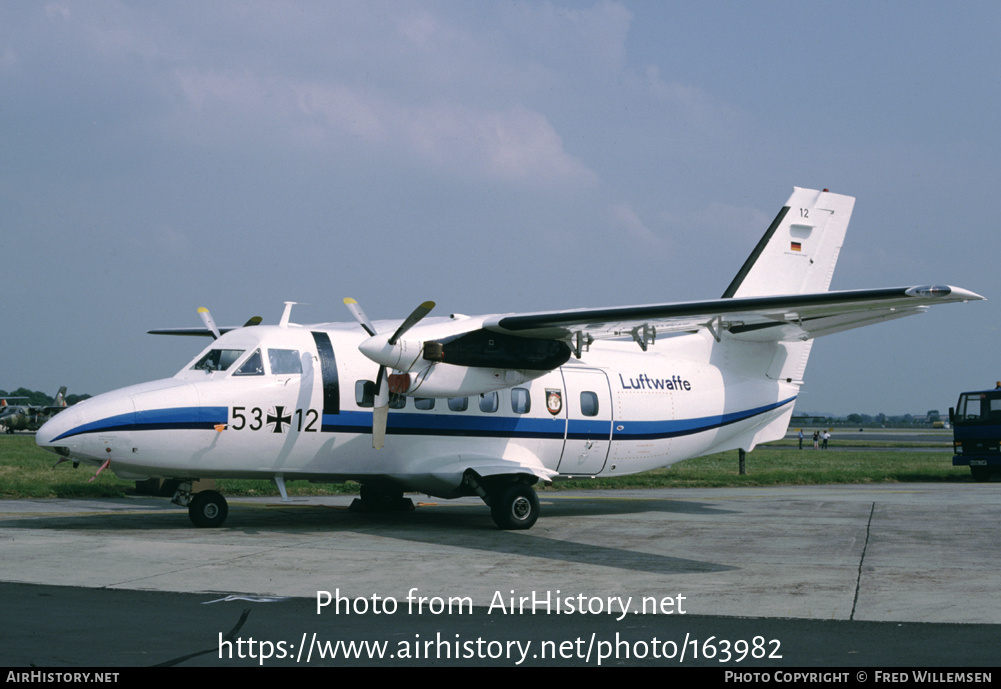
486, 349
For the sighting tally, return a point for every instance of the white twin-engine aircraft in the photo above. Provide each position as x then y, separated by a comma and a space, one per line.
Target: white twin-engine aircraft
491, 405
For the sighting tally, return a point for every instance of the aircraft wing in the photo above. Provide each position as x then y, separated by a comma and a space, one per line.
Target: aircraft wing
771, 318
198, 332
207, 331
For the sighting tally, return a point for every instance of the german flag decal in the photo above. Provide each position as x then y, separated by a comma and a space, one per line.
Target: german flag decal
796, 246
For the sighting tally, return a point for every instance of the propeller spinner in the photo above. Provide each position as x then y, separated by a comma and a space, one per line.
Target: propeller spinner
382, 352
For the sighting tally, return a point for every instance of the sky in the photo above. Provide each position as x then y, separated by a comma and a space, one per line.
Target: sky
493, 157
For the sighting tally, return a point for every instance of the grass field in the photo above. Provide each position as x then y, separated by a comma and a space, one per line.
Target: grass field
27, 472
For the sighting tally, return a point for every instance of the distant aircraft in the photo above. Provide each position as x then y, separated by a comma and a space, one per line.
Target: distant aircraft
29, 417
492, 405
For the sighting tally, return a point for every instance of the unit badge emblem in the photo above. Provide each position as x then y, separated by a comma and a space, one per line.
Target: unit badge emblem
554, 401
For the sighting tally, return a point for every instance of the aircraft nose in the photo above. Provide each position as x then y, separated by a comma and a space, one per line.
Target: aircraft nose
55, 434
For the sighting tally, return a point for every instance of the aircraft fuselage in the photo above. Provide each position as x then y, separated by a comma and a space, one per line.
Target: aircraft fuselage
616, 411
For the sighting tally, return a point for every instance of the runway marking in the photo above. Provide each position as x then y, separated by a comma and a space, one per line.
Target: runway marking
249, 599
611, 497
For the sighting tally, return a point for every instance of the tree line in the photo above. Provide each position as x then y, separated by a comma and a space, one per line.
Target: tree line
870, 420
36, 398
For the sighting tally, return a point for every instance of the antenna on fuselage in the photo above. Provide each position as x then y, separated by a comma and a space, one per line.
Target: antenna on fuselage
288, 312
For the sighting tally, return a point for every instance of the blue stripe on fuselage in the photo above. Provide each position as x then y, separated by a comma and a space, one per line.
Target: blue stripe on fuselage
649, 430
154, 419
402, 423
532, 427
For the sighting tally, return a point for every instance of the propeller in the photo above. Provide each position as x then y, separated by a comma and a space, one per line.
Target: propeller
210, 325
380, 413
209, 322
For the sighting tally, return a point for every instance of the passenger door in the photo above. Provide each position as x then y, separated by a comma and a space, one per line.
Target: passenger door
589, 421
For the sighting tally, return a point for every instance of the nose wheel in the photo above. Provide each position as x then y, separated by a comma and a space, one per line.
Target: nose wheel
208, 509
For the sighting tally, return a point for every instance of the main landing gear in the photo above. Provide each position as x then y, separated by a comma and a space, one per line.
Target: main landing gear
515, 506
206, 509
512, 500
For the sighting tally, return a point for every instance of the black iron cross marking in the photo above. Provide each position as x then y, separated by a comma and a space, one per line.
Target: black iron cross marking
278, 418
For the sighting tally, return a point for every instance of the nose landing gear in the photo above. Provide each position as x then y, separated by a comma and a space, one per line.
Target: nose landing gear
206, 509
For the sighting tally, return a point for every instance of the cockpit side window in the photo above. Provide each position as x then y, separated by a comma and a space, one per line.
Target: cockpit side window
284, 361
217, 359
253, 366
365, 393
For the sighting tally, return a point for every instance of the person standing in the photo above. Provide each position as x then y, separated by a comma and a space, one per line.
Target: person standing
801, 438
816, 439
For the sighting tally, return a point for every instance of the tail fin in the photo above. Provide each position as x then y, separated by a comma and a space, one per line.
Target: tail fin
60, 397
798, 252
796, 255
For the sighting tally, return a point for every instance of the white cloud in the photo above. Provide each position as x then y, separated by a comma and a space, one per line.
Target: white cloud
625, 219
514, 144
726, 227
55, 10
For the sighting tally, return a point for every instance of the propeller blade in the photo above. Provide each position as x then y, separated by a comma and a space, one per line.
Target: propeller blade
256, 320
380, 414
360, 316
209, 322
412, 320
380, 411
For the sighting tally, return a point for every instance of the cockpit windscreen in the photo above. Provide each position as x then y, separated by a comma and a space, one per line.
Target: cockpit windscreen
217, 359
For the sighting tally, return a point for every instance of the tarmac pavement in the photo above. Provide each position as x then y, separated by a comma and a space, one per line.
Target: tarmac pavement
891, 553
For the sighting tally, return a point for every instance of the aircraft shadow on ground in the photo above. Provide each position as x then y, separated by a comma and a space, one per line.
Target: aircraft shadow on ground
458, 525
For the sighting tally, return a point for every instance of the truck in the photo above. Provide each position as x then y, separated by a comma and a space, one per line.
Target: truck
976, 434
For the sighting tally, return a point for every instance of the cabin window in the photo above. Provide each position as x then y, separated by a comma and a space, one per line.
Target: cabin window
521, 403
365, 396
489, 402
217, 359
253, 366
284, 361
458, 403
424, 403
589, 403
365, 393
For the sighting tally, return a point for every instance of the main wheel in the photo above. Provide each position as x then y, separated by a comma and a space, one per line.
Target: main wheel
208, 509
515, 507
981, 474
